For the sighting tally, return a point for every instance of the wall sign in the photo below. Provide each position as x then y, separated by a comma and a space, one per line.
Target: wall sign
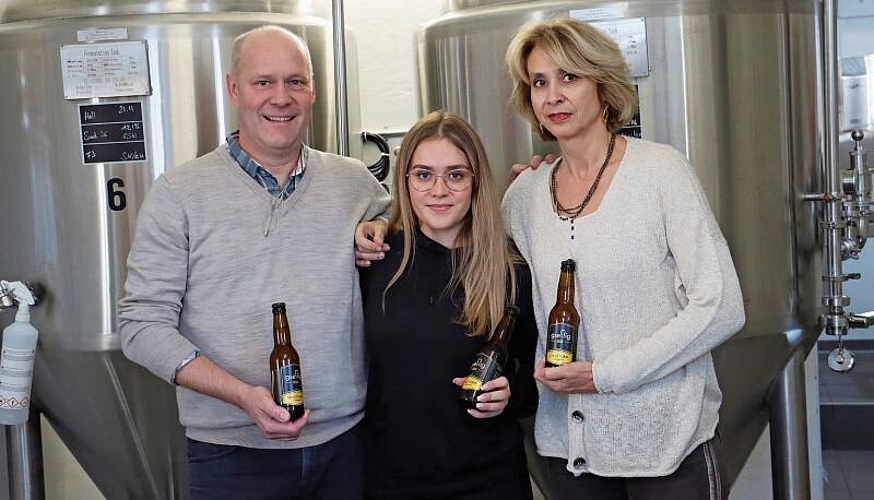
629, 34
112, 133
105, 70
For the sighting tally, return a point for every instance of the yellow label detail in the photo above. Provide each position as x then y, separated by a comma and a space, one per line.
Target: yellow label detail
557, 357
472, 383
294, 398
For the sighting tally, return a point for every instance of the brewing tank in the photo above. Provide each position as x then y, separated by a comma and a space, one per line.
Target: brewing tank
730, 83
99, 98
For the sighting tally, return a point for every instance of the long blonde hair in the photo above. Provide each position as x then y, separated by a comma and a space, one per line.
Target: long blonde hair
482, 264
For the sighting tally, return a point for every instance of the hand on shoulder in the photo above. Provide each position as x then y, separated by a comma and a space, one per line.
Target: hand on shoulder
369, 242
533, 164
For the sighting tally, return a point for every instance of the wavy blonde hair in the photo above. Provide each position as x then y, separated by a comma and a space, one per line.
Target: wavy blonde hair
482, 263
578, 48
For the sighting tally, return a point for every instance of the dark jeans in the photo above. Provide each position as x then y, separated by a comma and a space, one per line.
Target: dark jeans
329, 471
701, 476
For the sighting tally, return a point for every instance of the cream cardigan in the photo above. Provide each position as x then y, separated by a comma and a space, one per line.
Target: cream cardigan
656, 290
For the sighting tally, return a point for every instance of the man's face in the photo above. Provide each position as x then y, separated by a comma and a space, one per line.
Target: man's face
274, 95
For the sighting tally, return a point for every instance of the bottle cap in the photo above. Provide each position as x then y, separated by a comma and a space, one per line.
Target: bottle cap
278, 306
569, 265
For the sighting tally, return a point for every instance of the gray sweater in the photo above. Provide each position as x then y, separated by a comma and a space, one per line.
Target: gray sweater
202, 275
656, 290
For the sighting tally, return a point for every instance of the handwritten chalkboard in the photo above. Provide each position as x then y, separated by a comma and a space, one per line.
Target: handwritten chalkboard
112, 132
633, 128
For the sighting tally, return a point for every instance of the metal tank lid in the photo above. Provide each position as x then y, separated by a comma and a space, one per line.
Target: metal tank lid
32, 10
455, 5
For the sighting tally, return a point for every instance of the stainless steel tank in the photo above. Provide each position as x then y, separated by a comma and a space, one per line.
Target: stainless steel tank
100, 97
730, 83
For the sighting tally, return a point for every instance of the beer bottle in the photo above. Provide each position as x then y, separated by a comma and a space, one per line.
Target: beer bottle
490, 361
285, 366
564, 320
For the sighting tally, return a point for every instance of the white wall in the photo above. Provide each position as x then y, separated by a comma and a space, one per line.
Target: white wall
384, 32
855, 22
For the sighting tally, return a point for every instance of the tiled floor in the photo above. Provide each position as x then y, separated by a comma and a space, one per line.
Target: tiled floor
848, 429
849, 474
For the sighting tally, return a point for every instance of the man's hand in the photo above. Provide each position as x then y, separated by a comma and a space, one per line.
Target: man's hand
369, 244
272, 419
493, 400
572, 378
533, 163
206, 377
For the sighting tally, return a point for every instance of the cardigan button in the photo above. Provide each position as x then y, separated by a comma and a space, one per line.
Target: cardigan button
579, 463
577, 415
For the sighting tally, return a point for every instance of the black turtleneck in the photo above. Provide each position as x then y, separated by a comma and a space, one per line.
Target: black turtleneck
420, 441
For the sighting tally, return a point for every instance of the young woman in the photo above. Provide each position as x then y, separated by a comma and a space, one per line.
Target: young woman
429, 307
635, 416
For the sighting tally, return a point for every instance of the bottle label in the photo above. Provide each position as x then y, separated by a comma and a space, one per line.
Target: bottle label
561, 344
483, 369
287, 385
16, 374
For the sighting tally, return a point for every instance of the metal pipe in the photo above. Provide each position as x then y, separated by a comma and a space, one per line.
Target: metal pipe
863, 185
341, 98
24, 456
790, 463
834, 224
830, 82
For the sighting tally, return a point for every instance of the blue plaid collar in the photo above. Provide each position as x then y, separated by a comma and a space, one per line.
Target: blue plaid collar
260, 174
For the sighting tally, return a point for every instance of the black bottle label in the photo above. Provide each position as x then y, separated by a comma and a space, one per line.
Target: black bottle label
287, 386
485, 367
560, 344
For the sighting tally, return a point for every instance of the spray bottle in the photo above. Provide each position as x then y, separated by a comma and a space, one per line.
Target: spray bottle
16, 359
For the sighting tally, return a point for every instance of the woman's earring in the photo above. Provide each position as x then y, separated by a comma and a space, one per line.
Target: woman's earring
542, 130
606, 106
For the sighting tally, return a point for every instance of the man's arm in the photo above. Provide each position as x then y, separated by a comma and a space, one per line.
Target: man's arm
206, 377
370, 233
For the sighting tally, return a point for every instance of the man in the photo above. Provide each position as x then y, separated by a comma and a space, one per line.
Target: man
261, 219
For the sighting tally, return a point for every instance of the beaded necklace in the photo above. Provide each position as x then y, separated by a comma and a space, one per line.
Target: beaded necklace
572, 213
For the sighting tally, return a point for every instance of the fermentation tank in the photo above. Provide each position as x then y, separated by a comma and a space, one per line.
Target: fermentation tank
730, 83
99, 98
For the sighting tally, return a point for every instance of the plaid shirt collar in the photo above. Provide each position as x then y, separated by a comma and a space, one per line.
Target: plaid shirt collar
260, 174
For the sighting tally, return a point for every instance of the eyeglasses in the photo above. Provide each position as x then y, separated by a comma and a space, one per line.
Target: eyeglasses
457, 179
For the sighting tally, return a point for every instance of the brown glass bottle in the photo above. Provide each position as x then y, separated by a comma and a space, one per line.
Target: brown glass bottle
489, 362
564, 320
285, 366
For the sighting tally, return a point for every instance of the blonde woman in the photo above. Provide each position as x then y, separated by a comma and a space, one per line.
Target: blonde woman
429, 306
635, 415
